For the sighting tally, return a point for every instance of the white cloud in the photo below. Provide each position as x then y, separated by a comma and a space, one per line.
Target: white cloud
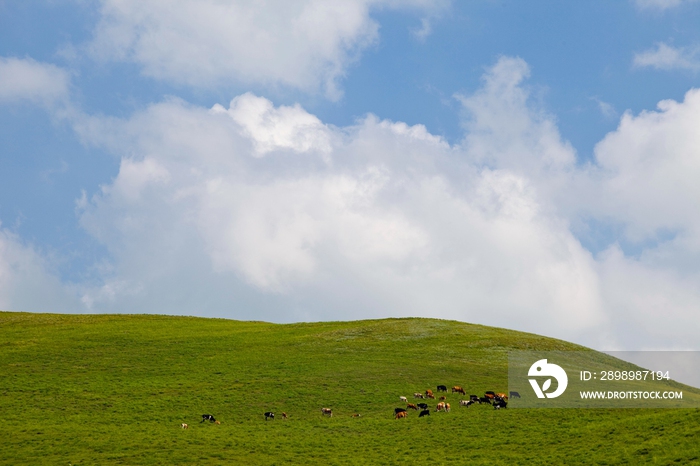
26, 282
665, 57
660, 4
306, 45
27, 79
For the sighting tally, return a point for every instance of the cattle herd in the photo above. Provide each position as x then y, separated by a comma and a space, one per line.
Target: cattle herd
497, 400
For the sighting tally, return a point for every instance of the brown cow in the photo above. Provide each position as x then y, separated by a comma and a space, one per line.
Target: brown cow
327, 411
356, 415
502, 395
401, 414
411, 406
430, 395
458, 389
447, 407
440, 406
428, 392
443, 398
284, 415
184, 426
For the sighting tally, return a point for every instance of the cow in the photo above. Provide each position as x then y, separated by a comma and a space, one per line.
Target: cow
269, 415
490, 395
500, 404
355, 415
327, 411
443, 398
428, 392
458, 389
401, 415
440, 406
418, 395
398, 410
184, 426
284, 415
441, 388
425, 412
502, 395
447, 407
430, 395
208, 417
485, 400
514, 395
466, 403
403, 398
422, 405
474, 397
411, 406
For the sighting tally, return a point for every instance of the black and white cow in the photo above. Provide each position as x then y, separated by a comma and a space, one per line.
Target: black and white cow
269, 415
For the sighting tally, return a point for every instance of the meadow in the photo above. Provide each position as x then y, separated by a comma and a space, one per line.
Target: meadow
114, 389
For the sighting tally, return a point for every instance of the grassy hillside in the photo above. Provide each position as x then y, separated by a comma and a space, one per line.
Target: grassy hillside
106, 389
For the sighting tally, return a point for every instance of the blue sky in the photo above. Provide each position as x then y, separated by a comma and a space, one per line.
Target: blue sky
498, 162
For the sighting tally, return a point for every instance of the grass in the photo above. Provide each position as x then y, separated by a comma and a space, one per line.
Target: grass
107, 389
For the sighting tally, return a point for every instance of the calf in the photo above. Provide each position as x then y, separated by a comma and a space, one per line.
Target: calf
208, 417
403, 398
327, 411
441, 388
514, 395
401, 415
425, 412
422, 405
184, 426
269, 415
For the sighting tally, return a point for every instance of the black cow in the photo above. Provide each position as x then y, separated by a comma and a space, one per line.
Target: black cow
425, 412
207, 417
474, 397
269, 415
422, 405
500, 403
484, 400
441, 388
399, 410
514, 395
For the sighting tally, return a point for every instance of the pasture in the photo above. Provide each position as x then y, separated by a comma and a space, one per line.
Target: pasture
115, 389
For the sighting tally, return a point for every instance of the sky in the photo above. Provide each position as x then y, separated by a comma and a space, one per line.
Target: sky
528, 165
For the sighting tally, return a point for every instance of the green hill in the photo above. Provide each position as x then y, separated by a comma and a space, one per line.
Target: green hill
114, 389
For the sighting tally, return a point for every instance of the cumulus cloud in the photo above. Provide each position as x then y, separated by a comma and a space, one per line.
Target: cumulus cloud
665, 57
305, 45
29, 80
26, 281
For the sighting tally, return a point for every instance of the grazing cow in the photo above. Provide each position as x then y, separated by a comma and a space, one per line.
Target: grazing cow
466, 403
447, 407
401, 414
327, 411
430, 395
514, 395
422, 405
284, 415
411, 406
474, 397
502, 395
485, 400
443, 398
403, 398
399, 410
440, 406
208, 417
356, 415
458, 389
184, 426
428, 392
441, 388
425, 412
490, 395
418, 395
269, 415
500, 404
